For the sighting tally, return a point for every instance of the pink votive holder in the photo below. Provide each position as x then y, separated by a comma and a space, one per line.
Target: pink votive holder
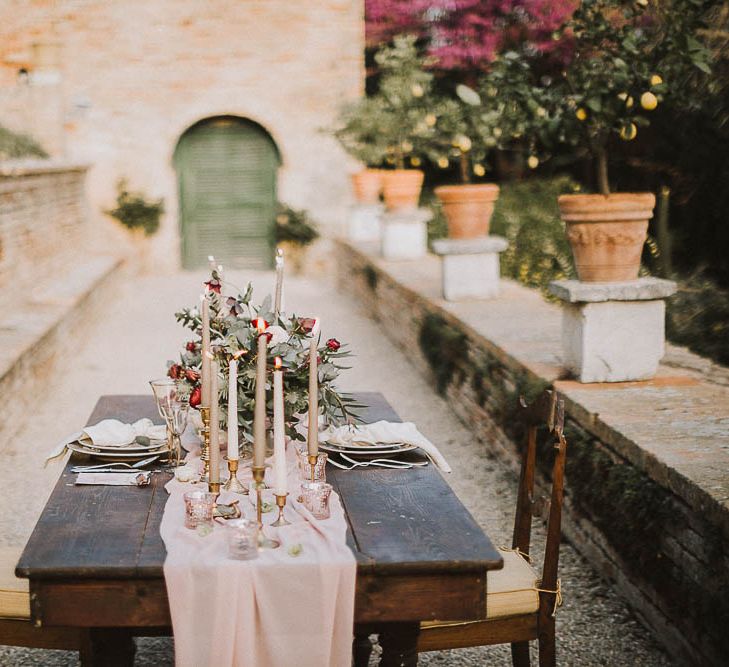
199, 507
242, 539
320, 467
315, 497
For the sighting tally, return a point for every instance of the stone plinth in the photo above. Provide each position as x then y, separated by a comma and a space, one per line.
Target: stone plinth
613, 332
470, 267
365, 222
405, 234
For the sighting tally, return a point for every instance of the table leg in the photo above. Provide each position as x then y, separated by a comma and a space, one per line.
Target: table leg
399, 642
107, 647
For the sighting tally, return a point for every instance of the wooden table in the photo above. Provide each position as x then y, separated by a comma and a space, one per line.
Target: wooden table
95, 558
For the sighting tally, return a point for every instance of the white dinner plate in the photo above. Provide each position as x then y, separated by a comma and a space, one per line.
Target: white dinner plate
131, 447
368, 451
364, 447
116, 455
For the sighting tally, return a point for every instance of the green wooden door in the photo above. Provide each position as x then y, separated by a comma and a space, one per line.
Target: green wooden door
227, 186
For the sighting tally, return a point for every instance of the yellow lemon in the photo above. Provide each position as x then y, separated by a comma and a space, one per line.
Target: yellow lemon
541, 112
533, 161
406, 146
629, 132
390, 160
648, 101
642, 3
417, 90
442, 162
581, 114
415, 161
430, 119
479, 169
656, 80
497, 132
463, 143
627, 99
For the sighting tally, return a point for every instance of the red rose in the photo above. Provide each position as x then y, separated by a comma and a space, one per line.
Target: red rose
333, 344
195, 397
213, 285
192, 375
175, 371
191, 346
307, 324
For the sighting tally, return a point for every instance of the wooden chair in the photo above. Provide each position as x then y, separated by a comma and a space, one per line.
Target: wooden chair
520, 605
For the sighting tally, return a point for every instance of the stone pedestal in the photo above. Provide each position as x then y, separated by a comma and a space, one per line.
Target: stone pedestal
365, 223
613, 332
470, 267
405, 234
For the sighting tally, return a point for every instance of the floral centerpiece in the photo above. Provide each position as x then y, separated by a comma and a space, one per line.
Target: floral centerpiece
233, 333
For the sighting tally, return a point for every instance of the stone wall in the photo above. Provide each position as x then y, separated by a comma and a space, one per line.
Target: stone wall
666, 548
126, 79
43, 221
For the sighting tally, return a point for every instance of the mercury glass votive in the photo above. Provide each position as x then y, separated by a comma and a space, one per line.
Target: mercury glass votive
315, 497
242, 539
199, 507
320, 469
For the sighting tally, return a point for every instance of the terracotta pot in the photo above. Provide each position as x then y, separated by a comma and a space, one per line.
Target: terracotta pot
607, 233
468, 208
367, 186
401, 188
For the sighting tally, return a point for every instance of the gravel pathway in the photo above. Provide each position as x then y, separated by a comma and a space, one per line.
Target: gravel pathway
129, 344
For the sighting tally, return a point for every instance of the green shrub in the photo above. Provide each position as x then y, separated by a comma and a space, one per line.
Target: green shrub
527, 216
294, 226
14, 145
134, 211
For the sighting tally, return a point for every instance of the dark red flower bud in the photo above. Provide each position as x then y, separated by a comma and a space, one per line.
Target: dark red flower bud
213, 285
175, 371
192, 375
191, 346
307, 323
333, 344
195, 397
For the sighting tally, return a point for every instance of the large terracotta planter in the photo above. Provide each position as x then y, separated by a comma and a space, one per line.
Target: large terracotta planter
401, 188
367, 186
607, 233
468, 208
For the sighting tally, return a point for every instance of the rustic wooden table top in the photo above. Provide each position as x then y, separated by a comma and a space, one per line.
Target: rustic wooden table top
95, 557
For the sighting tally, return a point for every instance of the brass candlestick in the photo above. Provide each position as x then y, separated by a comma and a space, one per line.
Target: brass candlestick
205, 444
214, 487
312, 462
281, 503
233, 484
263, 541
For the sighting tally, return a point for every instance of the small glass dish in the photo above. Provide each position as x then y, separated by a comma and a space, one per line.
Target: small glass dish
242, 539
315, 497
199, 506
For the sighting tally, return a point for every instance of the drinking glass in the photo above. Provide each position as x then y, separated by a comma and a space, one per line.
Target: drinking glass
315, 497
173, 404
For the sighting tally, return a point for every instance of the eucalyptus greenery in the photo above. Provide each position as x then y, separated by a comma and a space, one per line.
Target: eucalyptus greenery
233, 331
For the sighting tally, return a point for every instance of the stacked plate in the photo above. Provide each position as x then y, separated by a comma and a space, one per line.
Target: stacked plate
368, 450
133, 451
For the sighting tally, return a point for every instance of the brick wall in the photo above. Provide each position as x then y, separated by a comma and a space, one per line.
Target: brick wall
670, 560
135, 75
43, 221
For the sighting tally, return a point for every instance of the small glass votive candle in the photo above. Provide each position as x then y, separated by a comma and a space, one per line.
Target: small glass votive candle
242, 539
320, 468
199, 507
315, 497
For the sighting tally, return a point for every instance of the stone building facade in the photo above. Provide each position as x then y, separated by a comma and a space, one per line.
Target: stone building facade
116, 84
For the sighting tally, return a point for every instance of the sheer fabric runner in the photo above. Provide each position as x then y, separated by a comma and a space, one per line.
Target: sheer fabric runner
275, 611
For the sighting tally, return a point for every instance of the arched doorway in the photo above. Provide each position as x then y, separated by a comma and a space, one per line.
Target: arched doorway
226, 173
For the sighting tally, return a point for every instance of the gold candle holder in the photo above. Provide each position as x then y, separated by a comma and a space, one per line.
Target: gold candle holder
205, 444
281, 503
263, 541
233, 484
312, 462
214, 487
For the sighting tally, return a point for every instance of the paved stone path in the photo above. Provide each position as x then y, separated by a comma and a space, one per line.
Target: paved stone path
128, 345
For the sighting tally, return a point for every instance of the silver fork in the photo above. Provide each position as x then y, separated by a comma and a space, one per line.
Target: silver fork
117, 466
382, 463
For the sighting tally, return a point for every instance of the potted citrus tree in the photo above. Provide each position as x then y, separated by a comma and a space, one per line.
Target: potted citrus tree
294, 233
396, 119
625, 57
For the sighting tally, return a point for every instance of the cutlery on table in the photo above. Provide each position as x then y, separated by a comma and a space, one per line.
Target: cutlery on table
377, 463
118, 466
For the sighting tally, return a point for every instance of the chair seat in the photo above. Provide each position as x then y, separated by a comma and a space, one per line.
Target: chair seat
511, 591
14, 596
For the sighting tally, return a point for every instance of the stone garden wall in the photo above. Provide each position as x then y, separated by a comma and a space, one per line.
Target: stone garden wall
642, 503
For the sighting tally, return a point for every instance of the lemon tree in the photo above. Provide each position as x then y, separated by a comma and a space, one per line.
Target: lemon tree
626, 58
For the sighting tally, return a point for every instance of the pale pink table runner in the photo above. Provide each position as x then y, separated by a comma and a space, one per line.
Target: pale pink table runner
278, 610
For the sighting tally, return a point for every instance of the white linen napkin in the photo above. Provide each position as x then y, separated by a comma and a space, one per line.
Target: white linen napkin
111, 433
384, 432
